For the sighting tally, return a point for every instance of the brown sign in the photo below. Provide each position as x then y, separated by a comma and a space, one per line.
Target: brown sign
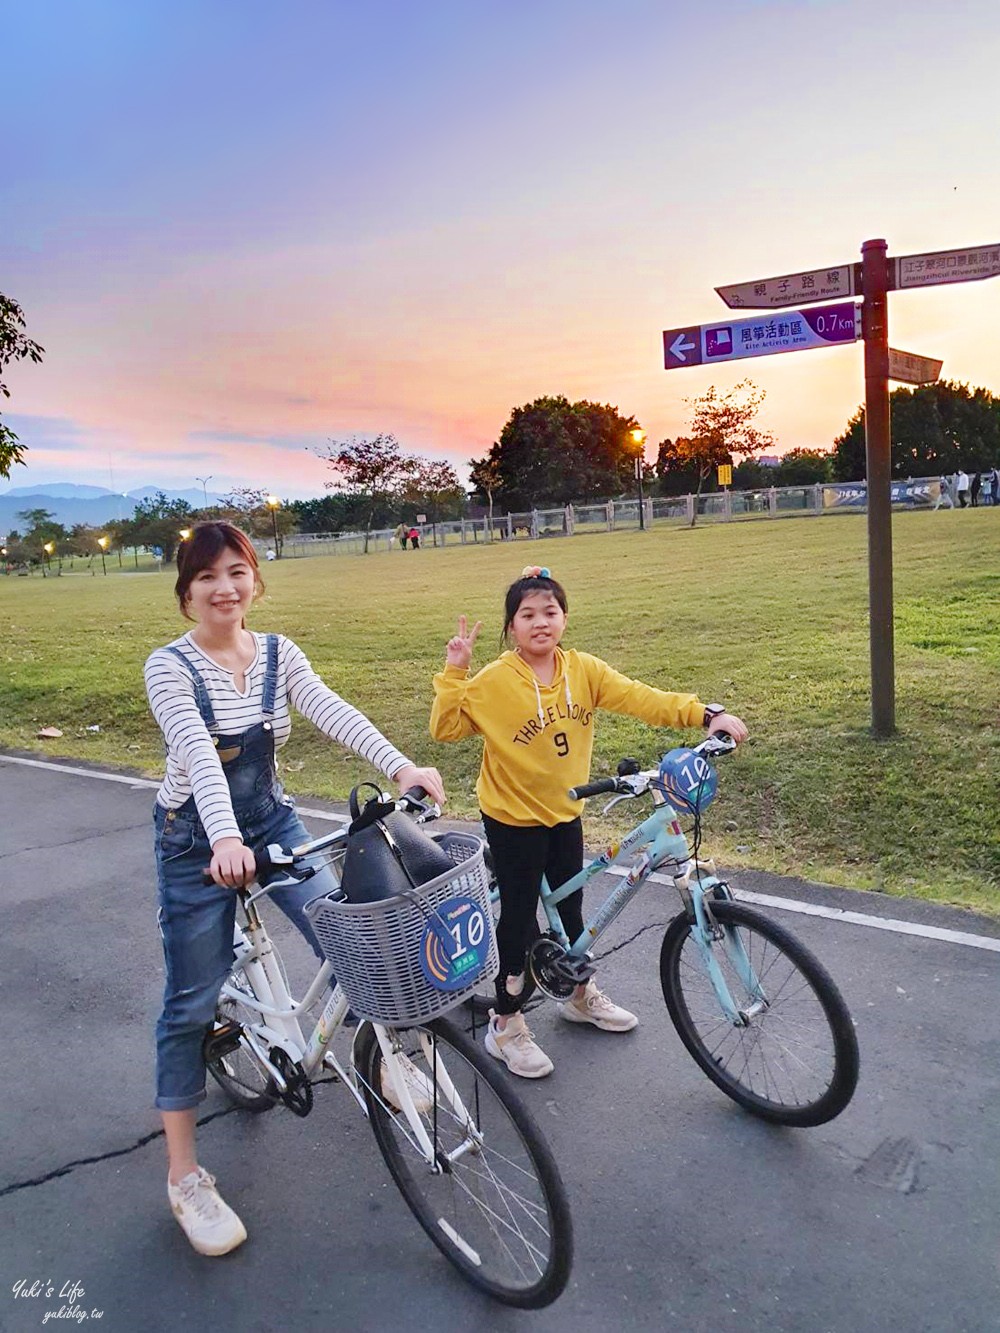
912, 369
981, 261
820, 284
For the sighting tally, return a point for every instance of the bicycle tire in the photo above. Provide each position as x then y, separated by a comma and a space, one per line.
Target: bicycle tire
238, 1074
528, 1227
822, 1050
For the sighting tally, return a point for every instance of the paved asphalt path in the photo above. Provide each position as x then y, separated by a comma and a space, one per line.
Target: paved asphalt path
690, 1214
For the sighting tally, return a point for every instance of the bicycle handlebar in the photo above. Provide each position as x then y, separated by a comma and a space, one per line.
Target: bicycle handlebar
635, 784
597, 788
413, 801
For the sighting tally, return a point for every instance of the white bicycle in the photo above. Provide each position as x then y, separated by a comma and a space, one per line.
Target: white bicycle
465, 1153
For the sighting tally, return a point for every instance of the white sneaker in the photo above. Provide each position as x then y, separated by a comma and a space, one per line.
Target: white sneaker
418, 1084
205, 1218
594, 1007
516, 1047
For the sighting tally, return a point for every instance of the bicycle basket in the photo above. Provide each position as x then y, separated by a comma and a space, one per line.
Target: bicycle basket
407, 959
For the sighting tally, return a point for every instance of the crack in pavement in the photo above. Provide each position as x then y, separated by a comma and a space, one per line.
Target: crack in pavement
71, 842
146, 1139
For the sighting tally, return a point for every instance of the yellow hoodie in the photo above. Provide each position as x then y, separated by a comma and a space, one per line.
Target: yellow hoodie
538, 739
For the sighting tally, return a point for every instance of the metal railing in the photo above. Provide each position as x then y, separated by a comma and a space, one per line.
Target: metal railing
769, 502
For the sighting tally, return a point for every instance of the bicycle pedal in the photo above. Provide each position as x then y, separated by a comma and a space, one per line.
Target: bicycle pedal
222, 1040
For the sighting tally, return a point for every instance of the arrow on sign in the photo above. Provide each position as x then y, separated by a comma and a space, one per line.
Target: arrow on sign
682, 347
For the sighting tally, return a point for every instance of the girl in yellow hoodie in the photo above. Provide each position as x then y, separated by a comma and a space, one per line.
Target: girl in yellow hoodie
534, 707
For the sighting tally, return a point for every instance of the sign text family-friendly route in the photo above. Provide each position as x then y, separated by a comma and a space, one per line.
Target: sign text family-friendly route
791, 331
820, 284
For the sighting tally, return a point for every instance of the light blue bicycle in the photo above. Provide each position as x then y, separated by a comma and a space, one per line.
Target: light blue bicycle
757, 1011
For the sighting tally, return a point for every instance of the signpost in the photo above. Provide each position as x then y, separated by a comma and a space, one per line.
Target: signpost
820, 284
791, 331
912, 369
826, 326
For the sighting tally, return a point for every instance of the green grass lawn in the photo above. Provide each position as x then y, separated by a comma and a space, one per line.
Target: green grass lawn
771, 618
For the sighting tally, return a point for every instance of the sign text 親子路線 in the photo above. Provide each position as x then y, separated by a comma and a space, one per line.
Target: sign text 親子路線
820, 284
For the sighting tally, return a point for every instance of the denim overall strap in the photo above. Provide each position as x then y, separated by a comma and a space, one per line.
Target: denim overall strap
270, 677
200, 690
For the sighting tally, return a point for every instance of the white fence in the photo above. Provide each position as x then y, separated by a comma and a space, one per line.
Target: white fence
611, 515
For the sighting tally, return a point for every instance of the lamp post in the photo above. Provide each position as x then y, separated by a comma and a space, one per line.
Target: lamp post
48, 548
204, 485
274, 504
639, 436
103, 544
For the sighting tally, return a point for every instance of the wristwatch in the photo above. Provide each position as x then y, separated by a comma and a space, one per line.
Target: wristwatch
712, 710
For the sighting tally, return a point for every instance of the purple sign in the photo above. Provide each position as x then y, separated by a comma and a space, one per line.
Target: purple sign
791, 331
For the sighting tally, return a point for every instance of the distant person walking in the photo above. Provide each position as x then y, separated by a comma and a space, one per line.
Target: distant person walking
401, 534
962, 488
944, 500
977, 485
415, 538
995, 487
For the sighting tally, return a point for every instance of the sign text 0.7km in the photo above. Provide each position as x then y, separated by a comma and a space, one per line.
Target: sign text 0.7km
765, 335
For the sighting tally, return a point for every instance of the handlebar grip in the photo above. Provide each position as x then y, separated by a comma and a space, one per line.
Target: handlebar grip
593, 788
416, 793
262, 864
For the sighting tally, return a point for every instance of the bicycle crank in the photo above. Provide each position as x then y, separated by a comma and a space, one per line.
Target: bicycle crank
555, 970
297, 1094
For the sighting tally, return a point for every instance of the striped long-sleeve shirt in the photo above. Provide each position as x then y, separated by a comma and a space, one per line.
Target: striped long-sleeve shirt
193, 766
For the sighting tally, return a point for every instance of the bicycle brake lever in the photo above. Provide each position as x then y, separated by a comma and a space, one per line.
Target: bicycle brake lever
615, 799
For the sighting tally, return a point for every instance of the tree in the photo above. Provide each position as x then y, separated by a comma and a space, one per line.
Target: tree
40, 527
434, 488
936, 429
248, 508
373, 470
157, 523
14, 346
722, 427
803, 467
675, 473
553, 451
488, 479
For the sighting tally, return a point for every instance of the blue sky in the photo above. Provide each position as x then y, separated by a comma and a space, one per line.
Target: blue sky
242, 229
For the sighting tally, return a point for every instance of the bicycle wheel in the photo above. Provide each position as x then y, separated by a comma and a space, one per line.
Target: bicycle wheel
238, 1073
494, 1205
794, 1060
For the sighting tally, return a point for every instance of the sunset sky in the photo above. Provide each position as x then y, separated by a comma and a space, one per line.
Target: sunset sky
241, 229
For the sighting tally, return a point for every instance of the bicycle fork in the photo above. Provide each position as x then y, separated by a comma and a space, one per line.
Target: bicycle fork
706, 932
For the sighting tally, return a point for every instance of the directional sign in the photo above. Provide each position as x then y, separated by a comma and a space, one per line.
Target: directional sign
820, 284
944, 266
912, 369
792, 331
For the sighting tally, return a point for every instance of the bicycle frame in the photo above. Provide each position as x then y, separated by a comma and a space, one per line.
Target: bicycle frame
659, 841
270, 997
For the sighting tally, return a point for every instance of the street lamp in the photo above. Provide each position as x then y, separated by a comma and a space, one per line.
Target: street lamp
48, 548
273, 503
639, 436
103, 544
204, 485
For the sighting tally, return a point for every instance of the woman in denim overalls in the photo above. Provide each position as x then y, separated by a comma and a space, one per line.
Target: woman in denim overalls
235, 807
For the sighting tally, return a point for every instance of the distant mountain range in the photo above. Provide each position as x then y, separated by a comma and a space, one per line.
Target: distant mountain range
69, 503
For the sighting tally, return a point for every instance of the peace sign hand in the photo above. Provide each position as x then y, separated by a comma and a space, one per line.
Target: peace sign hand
459, 652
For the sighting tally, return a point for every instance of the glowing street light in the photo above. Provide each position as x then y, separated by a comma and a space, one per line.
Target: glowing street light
274, 504
639, 437
185, 534
103, 544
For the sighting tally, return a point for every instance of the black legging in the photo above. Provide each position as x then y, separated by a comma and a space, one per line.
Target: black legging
521, 856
